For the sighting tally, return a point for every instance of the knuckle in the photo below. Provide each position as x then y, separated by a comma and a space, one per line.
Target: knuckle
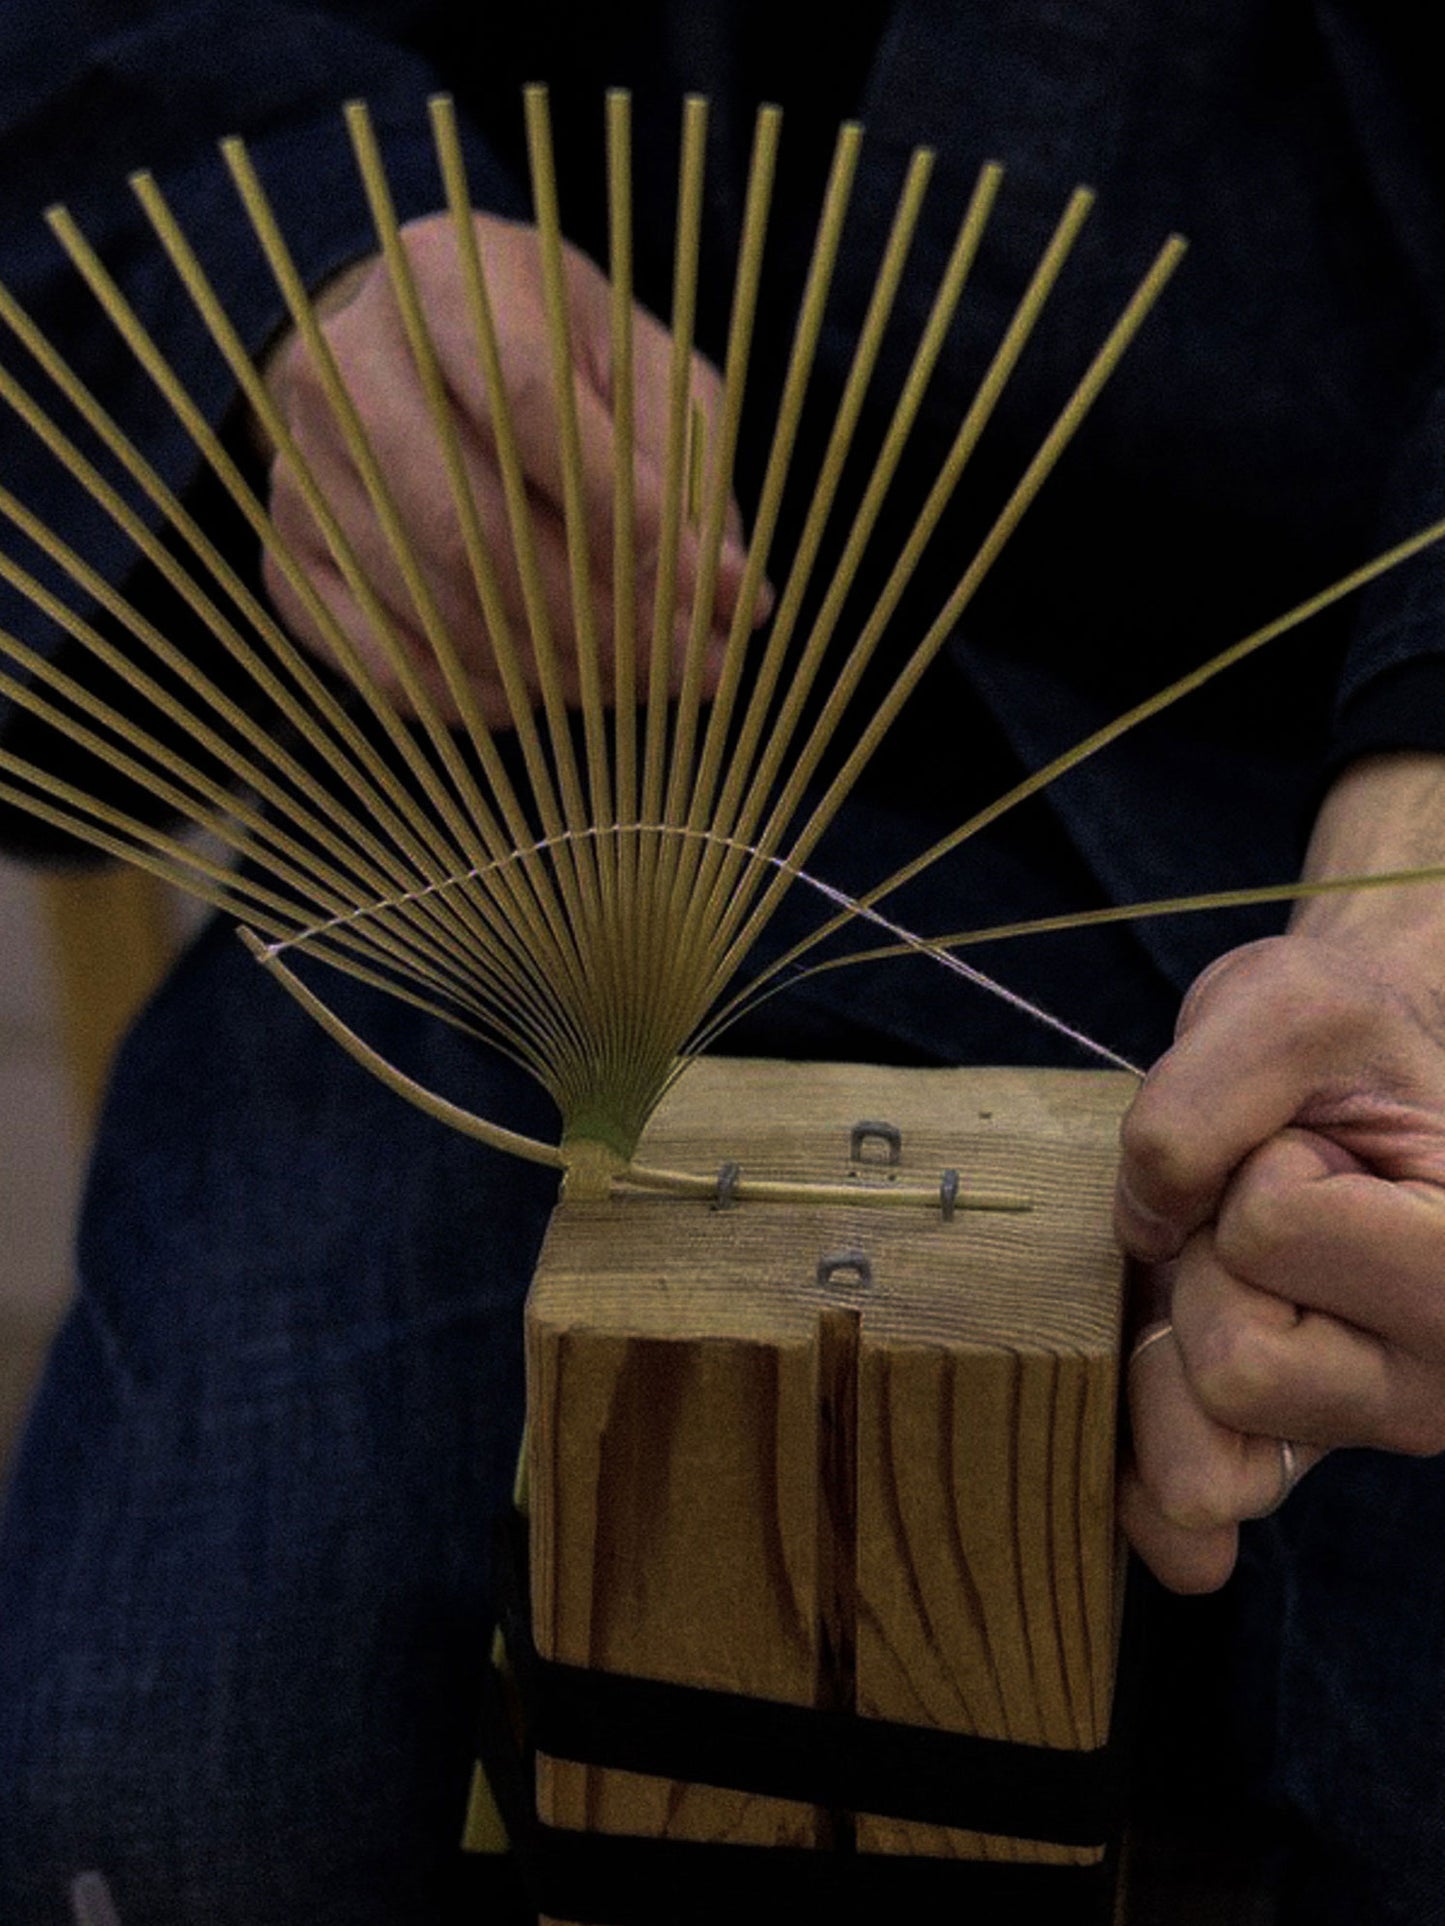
428, 239
293, 521
275, 582
1228, 1371
1188, 1497
529, 392
1260, 1225
1154, 1149
1245, 963
305, 390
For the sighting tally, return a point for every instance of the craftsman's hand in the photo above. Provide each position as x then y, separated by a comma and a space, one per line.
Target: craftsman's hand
1284, 1172
364, 329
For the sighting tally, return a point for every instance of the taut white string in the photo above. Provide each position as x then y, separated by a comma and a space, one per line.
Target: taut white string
839, 898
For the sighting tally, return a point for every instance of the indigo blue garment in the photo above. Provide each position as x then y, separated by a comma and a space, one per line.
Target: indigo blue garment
1339, 1635
243, 1578
244, 1570
243, 1587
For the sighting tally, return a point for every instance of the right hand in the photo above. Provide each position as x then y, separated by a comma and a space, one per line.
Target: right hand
363, 327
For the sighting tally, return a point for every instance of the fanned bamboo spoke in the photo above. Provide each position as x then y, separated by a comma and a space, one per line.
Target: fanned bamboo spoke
761, 171
118, 833
762, 989
790, 409
684, 310
393, 809
320, 828
670, 881
574, 502
1053, 445
484, 578
519, 515
624, 517
728, 873
462, 808
210, 805
591, 917
315, 827
127, 324
1110, 732
559, 952
148, 545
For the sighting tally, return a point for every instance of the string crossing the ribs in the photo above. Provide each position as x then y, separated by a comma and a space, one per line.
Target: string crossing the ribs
586, 901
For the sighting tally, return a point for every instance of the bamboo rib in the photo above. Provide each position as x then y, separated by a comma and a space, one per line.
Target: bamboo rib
970, 432
223, 750
531, 895
459, 801
101, 286
608, 913
642, 1036
695, 463
66, 453
684, 310
127, 324
721, 918
183, 877
219, 747
514, 484
790, 410
756, 761
762, 169
585, 922
1075, 409
632, 945
424, 356
579, 559
1142, 712
860, 374
213, 807
669, 900
390, 805
224, 888
624, 558
413, 827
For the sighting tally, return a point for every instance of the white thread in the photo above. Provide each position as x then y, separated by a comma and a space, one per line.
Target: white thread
838, 897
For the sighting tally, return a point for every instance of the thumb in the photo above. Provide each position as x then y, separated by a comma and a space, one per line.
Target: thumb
1245, 1064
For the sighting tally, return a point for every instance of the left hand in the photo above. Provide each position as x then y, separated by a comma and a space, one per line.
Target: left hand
1284, 1167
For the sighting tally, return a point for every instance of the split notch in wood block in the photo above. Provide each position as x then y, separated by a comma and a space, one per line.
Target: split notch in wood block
837, 1455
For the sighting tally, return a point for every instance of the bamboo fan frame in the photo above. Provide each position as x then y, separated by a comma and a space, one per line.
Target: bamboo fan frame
592, 922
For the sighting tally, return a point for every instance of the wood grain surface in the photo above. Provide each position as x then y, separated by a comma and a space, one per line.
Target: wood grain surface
892, 1495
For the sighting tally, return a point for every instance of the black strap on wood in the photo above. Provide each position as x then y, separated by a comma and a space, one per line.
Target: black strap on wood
839, 1762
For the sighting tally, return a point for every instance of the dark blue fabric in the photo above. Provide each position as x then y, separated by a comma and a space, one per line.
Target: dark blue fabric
243, 1581
244, 1573
1339, 1628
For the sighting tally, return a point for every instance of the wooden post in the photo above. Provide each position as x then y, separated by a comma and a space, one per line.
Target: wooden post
754, 1468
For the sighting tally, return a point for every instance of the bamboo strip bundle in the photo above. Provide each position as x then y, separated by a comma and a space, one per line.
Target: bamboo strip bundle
588, 903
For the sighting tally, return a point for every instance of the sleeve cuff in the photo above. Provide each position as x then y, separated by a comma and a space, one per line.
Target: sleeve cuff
1403, 707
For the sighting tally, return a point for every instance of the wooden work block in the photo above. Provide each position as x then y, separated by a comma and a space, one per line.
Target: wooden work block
893, 1495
